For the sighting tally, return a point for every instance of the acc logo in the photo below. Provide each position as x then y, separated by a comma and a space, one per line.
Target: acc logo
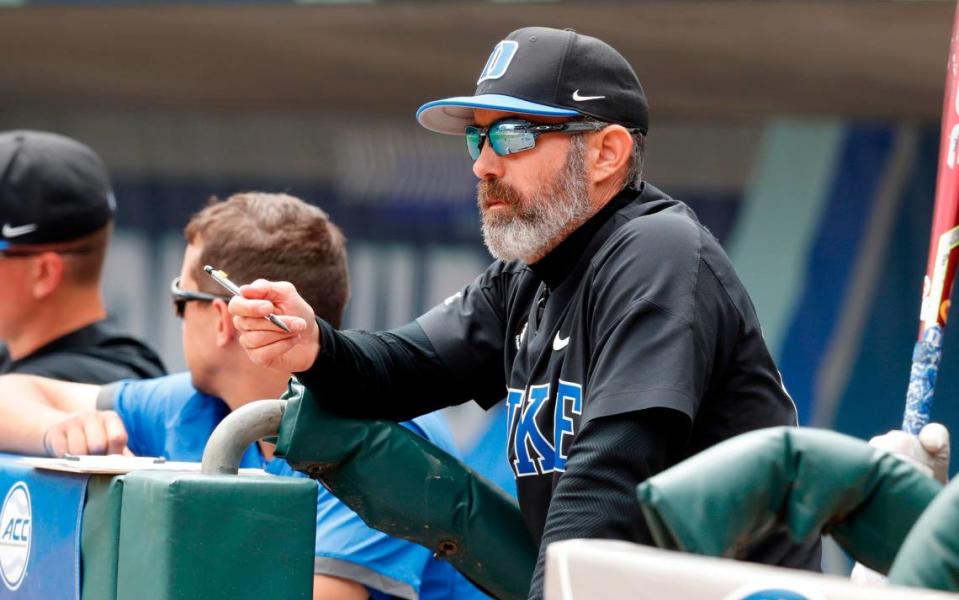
754, 592
15, 534
498, 61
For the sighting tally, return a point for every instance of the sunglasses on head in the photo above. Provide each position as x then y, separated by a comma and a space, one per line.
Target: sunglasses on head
182, 296
509, 136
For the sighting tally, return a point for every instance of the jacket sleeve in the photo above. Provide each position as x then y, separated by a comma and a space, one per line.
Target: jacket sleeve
451, 354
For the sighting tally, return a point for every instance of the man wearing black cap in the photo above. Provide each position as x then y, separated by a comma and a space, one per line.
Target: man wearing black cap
612, 321
56, 216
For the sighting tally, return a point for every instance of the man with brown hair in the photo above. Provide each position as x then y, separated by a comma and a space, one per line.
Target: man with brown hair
275, 242
248, 235
56, 217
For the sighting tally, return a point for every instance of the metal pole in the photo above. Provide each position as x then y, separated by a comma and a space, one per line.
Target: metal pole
237, 431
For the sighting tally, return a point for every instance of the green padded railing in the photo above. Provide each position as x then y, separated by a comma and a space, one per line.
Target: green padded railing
804, 481
405, 486
160, 535
929, 557
186, 535
100, 537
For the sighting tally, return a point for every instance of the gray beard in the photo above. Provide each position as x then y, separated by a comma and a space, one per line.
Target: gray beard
539, 222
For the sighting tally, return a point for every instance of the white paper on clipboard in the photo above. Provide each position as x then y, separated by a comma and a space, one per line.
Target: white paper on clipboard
117, 464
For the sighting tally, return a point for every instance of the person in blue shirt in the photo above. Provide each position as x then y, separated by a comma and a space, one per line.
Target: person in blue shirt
249, 235
168, 417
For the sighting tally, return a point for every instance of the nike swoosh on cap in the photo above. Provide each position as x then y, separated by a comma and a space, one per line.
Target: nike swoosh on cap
9, 231
559, 343
579, 98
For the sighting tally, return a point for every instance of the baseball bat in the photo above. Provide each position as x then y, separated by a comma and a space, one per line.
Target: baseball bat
941, 266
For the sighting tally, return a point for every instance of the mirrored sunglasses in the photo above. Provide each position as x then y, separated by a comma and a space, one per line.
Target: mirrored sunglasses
509, 136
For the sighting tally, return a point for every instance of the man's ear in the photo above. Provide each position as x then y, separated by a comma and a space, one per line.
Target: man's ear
225, 332
47, 274
610, 151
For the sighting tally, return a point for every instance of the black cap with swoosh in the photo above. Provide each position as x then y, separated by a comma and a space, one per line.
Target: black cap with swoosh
548, 72
52, 189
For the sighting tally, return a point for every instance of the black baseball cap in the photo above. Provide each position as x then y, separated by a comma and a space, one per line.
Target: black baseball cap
548, 72
52, 189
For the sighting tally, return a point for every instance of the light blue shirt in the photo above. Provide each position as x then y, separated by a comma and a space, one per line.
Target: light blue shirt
168, 417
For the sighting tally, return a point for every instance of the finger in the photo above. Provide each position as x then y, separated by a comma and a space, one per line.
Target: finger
894, 441
115, 431
244, 307
254, 340
275, 291
934, 438
55, 441
279, 289
76, 443
95, 434
127, 452
286, 289
267, 355
247, 324
261, 288
295, 324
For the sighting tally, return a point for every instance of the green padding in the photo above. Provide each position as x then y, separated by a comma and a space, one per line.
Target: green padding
805, 481
189, 536
405, 486
929, 558
100, 537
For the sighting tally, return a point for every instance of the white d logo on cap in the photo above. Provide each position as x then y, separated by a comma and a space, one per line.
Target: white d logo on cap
15, 533
498, 61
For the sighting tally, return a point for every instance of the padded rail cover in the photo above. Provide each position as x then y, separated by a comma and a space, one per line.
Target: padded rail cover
405, 486
100, 537
187, 535
929, 557
804, 480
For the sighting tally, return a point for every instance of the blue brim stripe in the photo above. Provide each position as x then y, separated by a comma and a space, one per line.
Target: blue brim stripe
451, 115
4, 244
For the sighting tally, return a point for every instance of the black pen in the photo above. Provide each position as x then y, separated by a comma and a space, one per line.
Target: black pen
221, 278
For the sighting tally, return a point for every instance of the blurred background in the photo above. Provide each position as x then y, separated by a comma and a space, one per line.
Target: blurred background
805, 135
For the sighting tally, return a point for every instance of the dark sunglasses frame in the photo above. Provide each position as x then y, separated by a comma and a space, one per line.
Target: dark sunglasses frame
182, 296
525, 132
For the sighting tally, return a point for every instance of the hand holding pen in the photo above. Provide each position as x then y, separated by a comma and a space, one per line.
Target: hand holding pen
221, 278
264, 344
